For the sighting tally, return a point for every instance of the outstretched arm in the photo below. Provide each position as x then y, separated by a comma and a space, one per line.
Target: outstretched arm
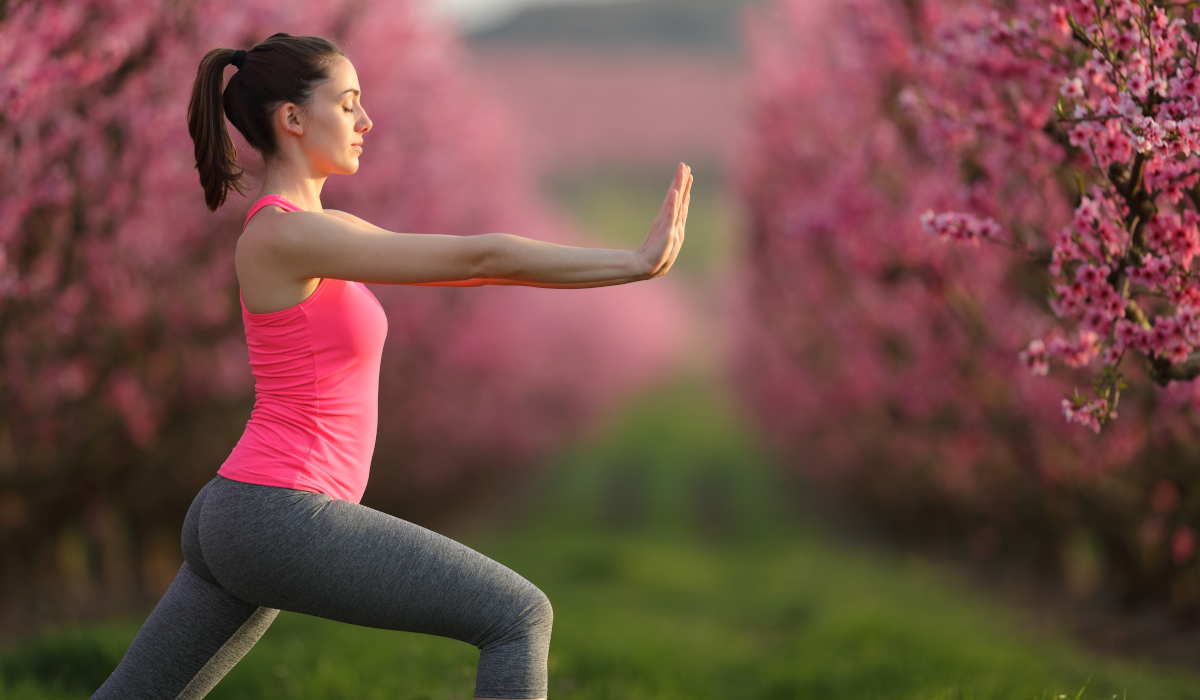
513, 260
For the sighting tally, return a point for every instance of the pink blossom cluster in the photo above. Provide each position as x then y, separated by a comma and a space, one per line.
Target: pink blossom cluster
1036, 358
1108, 93
1087, 414
963, 228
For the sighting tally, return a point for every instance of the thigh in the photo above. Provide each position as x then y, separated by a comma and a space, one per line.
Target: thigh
311, 554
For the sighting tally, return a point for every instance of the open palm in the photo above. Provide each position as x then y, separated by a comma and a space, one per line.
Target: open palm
665, 238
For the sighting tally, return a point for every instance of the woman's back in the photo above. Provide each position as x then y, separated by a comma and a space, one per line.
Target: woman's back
316, 371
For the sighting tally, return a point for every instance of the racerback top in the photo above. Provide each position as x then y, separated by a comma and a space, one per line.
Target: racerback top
316, 389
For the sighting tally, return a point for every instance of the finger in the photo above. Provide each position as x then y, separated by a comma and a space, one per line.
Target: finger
673, 206
676, 244
679, 200
683, 214
666, 267
683, 223
685, 190
687, 198
682, 189
676, 183
670, 248
671, 252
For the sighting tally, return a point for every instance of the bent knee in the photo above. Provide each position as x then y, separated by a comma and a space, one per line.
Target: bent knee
528, 622
541, 613
535, 618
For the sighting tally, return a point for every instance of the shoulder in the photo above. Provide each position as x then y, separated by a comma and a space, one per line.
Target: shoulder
352, 219
274, 225
273, 231
263, 228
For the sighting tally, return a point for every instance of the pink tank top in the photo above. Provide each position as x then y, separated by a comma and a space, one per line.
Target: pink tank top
316, 386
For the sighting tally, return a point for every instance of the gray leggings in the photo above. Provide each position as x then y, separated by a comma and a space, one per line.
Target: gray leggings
251, 551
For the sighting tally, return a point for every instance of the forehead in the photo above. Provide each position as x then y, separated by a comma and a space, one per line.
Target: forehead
342, 77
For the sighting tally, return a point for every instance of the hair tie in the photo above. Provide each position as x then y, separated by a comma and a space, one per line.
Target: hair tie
237, 58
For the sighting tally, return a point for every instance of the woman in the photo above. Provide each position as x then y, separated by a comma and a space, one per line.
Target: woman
280, 527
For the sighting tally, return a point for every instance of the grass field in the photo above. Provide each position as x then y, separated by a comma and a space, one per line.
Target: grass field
676, 570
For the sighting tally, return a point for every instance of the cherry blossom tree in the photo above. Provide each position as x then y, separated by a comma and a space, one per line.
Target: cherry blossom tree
898, 367
1107, 95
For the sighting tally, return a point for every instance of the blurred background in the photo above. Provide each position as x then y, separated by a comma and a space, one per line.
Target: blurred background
804, 464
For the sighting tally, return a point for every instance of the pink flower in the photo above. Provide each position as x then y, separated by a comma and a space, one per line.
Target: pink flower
1061, 20
1086, 347
1035, 359
1129, 335
1089, 415
964, 228
1068, 409
1072, 88
1092, 275
1087, 214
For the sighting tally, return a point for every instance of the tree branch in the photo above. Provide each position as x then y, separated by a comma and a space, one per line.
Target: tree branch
1163, 372
1135, 312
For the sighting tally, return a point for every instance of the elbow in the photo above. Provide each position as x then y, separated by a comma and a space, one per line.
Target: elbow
486, 261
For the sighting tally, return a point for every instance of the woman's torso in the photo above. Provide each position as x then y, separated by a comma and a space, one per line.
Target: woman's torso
316, 371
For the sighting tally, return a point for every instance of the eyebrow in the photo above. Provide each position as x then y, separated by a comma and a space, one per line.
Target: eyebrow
354, 90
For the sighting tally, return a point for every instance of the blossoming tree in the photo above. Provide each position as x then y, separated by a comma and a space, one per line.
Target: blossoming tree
1110, 95
897, 367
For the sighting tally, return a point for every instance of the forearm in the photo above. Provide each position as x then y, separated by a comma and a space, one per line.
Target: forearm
515, 260
542, 285
566, 285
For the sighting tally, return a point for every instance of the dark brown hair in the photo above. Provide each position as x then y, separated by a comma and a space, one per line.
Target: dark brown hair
281, 69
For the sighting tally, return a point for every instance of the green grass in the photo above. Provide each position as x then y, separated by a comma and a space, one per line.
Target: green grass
676, 571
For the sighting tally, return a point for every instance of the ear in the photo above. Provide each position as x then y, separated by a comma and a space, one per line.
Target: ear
290, 119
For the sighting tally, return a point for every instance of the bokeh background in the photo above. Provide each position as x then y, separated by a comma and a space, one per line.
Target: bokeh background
804, 464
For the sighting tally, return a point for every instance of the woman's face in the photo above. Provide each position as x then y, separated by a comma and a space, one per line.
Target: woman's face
335, 122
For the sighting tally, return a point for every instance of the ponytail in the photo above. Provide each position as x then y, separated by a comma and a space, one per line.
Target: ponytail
216, 156
281, 69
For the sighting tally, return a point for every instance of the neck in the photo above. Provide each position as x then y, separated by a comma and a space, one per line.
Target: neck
300, 188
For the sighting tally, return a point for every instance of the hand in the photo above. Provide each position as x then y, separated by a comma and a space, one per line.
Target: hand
665, 238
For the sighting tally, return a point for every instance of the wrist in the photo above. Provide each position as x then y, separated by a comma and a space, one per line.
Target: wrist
639, 267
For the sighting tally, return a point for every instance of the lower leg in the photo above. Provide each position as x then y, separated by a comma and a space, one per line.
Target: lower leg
512, 658
195, 634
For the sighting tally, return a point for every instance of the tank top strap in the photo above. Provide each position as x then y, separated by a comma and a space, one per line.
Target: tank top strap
266, 201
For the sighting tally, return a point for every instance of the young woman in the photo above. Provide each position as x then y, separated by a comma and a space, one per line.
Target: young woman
280, 527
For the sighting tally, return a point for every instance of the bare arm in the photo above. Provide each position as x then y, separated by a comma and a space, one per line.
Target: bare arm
327, 246
480, 281
339, 245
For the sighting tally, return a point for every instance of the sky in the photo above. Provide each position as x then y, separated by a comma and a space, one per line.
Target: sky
477, 14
